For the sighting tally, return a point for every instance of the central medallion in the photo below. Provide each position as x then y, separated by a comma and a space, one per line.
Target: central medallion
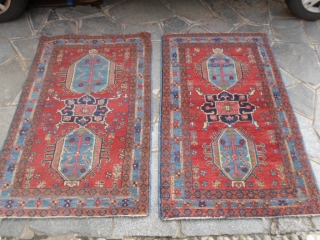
227, 108
84, 110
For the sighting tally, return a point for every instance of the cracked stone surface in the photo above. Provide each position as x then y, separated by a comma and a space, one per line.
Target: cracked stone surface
6, 51
197, 29
318, 49
311, 141
155, 137
193, 11
297, 50
289, 225
302, 98
289, 30
6, 116
224, 11
156, 65
216, 25
279, 9
317, 113
107, 3
300, 60
155, 107
38, 16
174, 25
12, 79
316, 168
137, 11
252, 28
101, 25
59, 28
77, 11
27, 47
17, 28
288, 79
217, 227
316, 221
251, 10
153, 28
94, 227
313, 30
12, 227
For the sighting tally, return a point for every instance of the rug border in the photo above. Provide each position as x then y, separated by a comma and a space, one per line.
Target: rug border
281, 85
26, 90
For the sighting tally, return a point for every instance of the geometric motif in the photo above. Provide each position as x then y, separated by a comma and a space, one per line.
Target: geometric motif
230, 143
227, 108
79, 144
235, 155
76, 154
91, 73
84, 110
222, 71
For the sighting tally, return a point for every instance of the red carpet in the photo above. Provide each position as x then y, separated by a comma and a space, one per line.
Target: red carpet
79, 143
231, 146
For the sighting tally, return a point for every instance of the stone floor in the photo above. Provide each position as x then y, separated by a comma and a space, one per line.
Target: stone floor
296, 44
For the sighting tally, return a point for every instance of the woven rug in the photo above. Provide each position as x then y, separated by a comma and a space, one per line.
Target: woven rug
231, 146
79, 144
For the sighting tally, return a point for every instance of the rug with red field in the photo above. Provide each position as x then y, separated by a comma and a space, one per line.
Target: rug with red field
79, 144
231, 146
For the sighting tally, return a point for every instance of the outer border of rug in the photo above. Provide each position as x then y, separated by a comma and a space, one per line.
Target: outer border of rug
21, 105
275, 66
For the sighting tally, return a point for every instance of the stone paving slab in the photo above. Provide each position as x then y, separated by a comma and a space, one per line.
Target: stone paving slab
12, 78
289, 30
197, 29
316, 222
279, 9
17, 28
292, 225
77, 11
223, 11
27, 47
138, 11
288, 79
300, 59
316, 121
302, 98
193, 11
38, 16
6, 116
311, 139
316, 169
101, 25
12, 227
251, 10
174, 25
214, 24
93, 227
6, 51
313, 30
153, 28
223, 226
59, 28
297, 48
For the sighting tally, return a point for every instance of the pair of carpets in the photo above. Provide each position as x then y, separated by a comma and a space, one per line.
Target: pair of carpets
79, 144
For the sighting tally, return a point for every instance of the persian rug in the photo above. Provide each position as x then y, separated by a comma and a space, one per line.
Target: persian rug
231, 146
79, 144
